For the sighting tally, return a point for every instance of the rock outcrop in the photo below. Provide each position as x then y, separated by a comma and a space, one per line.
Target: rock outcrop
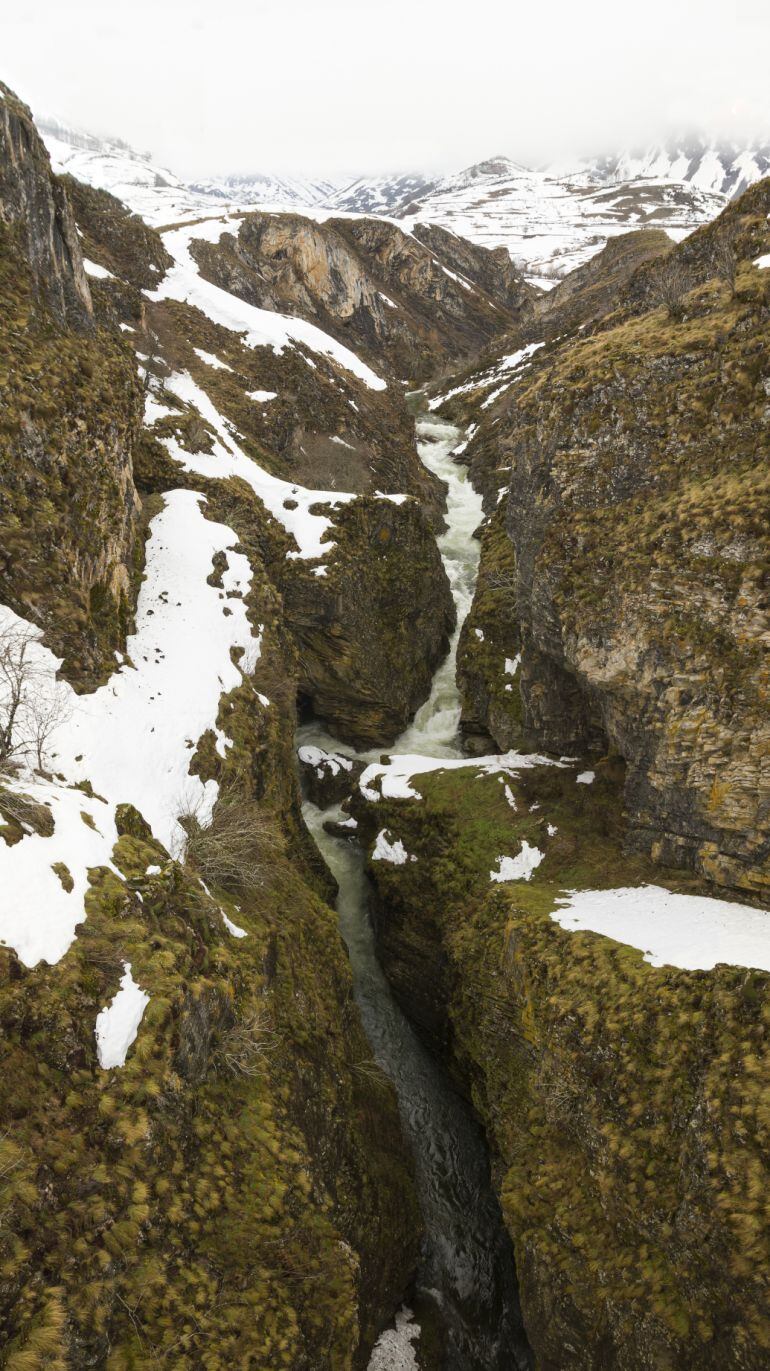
71, 410
638, 517
34, 204
625, 1104
595, 289
371, 631
371, 285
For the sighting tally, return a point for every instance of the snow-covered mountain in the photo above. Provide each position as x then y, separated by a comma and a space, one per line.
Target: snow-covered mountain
550, 220
391, 195
725, 168
260, 189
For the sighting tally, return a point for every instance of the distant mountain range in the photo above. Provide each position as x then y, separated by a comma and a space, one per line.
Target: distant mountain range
550, 220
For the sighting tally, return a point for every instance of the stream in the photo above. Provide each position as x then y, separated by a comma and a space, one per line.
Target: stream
467, 1266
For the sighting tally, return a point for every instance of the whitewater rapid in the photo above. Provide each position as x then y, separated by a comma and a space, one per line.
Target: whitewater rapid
467, 1267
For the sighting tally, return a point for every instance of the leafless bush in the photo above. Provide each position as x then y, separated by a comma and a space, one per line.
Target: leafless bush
33, 705
671, 285
237, 849
247, 1043
724, 259
502, 580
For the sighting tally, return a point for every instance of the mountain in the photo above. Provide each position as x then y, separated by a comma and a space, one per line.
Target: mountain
260, 189
383, 194
725, 168
553, 222
550, 220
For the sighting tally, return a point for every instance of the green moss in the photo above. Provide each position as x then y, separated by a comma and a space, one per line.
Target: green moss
70, 408
626, 1105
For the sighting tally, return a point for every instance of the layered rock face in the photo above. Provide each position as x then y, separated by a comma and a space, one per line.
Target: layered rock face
372, 286
625, 1104
71, 413
638, 516
34, 203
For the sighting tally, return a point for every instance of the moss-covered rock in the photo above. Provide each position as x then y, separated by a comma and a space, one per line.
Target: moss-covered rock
626, 1105
71, 409
638, 514
238, 1191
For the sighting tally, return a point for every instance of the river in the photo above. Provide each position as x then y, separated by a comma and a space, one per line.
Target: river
467, 1266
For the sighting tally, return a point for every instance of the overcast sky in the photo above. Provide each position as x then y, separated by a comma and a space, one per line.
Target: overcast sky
338, 86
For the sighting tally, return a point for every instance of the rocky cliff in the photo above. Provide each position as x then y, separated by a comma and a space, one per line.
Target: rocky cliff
638, 517
71, 410
401, 301
625, 1103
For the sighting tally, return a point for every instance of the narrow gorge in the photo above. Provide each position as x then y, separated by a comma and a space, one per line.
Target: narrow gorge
384, 790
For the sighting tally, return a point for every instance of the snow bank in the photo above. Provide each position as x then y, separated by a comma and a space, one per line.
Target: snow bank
132, 736
520, 867
385, 850
693, 932
118, 1023
395, 775
260, 327
228, 459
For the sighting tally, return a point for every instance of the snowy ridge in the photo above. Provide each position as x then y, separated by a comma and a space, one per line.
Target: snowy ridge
132, 739
260, 327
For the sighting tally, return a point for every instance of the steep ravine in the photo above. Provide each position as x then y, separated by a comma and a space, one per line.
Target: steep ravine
467, 1300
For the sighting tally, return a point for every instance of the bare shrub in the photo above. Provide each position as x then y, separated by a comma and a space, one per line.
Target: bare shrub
246, 1044
724, 259
33, 704
671, 286
236, 849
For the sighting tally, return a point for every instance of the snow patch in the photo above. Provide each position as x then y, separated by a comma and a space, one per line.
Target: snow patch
118, 1023
93, 269
387, 851
395, 775
210, 360
394, 1349
694, 932
520, 867
233, 928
